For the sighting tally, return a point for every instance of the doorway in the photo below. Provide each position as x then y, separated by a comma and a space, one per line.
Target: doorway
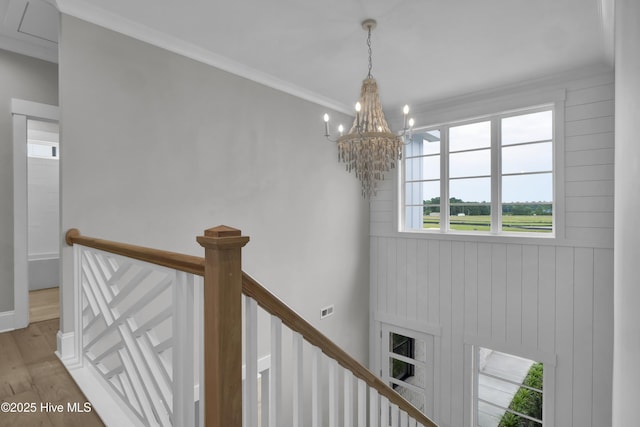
43, 219
36, 253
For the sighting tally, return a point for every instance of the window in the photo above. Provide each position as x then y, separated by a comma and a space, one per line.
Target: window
403, 346
491, 175
407, 365
44, 150
508, 390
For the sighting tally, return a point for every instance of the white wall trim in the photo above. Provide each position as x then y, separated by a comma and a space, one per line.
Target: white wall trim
6, 321
44, 255
413, 325
102, 397
22, 111
35, 110
103, 18
517, 350
49, 54
67, 349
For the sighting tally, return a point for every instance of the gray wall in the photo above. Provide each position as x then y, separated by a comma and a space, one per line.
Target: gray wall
33, 80
157, 147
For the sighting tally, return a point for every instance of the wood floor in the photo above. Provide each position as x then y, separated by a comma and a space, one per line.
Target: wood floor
44, 304
32, 376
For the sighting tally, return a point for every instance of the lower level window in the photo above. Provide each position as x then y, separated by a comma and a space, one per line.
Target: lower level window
407, 365
509, 390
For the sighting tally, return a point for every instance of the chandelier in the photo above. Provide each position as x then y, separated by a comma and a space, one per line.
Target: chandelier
369, 148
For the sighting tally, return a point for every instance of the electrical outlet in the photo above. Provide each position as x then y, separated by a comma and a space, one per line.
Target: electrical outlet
326, 312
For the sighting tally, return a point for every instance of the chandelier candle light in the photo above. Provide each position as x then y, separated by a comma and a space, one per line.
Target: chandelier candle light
369, 148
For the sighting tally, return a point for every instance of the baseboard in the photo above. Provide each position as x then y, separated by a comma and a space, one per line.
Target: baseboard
67, 349
103, 399
7, 321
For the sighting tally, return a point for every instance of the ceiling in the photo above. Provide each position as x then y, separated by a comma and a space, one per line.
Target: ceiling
423, 50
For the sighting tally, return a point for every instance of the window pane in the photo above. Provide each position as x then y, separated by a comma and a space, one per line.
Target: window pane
418, 192
466, 137
416, 399
431, 216
462, 218
470, 163
527, 158
400, 369
527, 188
510, 419
509, 390
400, 344
488, 415
43, 150
527, 128
424, 143
470, 190
422, 168
528, 223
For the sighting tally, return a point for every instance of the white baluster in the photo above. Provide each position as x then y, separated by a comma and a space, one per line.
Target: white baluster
333, 393
348, 399
316, 396
183, 332
199, 360
404, 419
250, 407
374, 411
298, 384
384, 412
362, 403
275, 388
265, 404
394, 415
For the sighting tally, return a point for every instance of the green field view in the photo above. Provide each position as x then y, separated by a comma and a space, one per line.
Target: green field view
515, 223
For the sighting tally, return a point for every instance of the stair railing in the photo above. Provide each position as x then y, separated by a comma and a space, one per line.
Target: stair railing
106, 278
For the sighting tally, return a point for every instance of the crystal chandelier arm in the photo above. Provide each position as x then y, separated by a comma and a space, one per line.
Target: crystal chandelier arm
326, 129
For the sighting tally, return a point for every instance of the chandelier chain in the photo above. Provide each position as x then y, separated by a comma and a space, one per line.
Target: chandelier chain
370, 52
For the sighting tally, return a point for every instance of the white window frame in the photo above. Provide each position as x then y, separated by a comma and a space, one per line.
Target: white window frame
478, 110
428, 366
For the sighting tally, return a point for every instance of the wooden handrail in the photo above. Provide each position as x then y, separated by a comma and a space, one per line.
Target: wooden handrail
295, 322
177, 261
269, 302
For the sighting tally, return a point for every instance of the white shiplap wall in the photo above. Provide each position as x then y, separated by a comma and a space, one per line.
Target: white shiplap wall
550, 299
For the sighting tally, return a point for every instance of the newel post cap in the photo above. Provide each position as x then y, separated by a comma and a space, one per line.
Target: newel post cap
70, 235
222, 236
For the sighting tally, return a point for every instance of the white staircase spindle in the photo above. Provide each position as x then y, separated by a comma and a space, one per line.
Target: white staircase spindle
250, 407
333, 393
384, 412
374, 411
404, 419
265, 404
394, 415
362, 403
275, 373
183, 372
316, 389
298, 378
348, 399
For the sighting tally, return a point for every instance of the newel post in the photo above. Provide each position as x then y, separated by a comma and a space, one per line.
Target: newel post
223, 326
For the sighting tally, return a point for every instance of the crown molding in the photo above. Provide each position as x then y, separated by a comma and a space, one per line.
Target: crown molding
111, 21
49, 54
